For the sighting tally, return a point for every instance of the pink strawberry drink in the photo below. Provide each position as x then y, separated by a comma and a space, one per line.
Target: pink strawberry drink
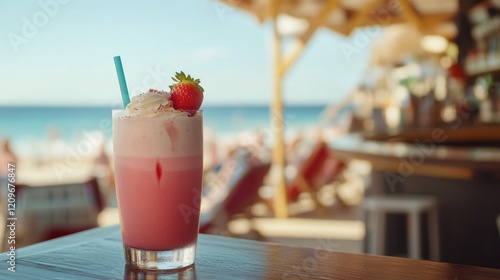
158, 153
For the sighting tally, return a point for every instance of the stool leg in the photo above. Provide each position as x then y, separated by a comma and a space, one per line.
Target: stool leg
380, 230
414, 238
434, 234
367, 218
372, 227
376, 226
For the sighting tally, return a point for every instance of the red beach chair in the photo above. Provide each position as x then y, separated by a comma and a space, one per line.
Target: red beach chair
242, 193
320, 168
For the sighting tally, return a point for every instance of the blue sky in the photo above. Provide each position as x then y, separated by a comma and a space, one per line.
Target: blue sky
60, 52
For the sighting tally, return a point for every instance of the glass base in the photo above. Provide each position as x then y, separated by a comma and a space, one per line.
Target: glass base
160, 260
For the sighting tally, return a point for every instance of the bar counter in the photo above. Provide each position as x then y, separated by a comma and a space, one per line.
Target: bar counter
464, 180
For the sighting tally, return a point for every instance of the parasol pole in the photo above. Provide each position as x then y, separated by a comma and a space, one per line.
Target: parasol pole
278, 160
281, 65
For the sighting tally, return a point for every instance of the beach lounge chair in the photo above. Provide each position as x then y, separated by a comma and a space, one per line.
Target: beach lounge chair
240, 193
317, 170
46, 212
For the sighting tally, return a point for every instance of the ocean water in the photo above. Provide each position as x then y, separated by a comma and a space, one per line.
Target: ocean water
28, 126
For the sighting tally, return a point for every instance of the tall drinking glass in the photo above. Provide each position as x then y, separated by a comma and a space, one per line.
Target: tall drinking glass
158, 163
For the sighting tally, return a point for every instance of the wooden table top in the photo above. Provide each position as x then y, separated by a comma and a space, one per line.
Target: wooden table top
97, 254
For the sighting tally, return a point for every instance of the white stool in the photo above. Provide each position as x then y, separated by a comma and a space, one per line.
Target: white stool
411, 205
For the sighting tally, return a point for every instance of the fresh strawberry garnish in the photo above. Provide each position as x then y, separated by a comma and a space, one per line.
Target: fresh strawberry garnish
186, 93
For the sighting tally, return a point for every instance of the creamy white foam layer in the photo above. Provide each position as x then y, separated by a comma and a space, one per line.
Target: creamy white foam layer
152, 103
163, 135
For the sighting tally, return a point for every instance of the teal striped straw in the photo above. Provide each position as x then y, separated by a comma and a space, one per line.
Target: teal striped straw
121, 80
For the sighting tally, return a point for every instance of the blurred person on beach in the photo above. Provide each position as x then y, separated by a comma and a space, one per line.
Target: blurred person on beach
103, 168
6, 157
51, 149
102, 158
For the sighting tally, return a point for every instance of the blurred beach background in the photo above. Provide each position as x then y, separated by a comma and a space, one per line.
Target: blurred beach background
58, 82
43, 137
